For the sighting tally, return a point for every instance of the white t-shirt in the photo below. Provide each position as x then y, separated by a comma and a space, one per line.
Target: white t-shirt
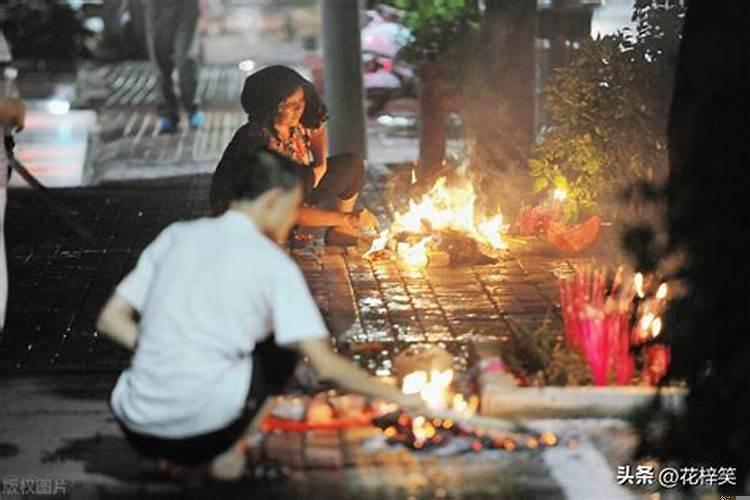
207, 291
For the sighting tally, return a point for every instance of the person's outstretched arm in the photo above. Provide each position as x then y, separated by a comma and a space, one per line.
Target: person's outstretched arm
117, 321
342, 372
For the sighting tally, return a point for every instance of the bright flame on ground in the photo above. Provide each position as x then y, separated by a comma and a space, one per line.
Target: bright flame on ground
443, 207
415, 255
432, 388
560, 194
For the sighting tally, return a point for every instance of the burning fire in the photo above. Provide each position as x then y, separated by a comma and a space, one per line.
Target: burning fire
442, 208
434, 389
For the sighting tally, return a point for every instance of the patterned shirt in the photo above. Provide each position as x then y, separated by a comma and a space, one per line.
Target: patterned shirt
298, 147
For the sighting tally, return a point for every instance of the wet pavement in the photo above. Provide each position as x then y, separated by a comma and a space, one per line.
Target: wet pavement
59, 282
58, 371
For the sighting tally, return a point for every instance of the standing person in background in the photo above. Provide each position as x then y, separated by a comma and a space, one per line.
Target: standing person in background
171, 26
12, 117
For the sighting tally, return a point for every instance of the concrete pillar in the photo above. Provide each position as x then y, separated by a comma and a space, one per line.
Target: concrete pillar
342, 65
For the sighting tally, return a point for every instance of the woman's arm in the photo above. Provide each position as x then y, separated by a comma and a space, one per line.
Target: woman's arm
117, 322
319, 149
318, 217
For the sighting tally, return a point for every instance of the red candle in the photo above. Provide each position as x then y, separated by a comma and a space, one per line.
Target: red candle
657, 359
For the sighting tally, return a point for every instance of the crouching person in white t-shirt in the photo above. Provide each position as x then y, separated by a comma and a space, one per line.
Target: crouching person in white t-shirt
207, 292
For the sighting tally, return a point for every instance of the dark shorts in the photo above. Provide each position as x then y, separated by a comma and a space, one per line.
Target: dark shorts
343, 179
272, 368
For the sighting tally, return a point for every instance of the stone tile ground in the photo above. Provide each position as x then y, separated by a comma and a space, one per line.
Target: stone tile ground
58, 371
58, 284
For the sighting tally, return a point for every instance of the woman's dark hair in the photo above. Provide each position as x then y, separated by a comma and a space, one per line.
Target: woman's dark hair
265, 89
257, 170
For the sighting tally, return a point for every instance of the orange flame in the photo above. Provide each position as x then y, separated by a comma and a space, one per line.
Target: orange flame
442, 208
638, 283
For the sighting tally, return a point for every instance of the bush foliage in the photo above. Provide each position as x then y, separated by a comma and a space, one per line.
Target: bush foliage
607, 110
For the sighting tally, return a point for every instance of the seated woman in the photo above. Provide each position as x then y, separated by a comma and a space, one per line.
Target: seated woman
286, 115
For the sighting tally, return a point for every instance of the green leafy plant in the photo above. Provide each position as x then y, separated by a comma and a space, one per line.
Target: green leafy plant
541, 358
607, 111
436, 26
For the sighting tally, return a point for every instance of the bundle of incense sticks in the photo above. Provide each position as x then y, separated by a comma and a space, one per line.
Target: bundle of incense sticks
596, 318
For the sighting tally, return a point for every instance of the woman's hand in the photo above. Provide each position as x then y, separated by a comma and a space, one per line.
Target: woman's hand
363, 219
12, 113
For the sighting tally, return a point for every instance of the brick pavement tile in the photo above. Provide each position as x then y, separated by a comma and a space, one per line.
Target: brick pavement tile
59, 283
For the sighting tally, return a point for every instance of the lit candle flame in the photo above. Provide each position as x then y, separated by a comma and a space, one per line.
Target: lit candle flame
656, 327
662, 291
432, 388
646, 321
638, 283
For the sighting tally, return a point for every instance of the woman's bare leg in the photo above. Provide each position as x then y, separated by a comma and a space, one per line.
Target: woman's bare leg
347, 206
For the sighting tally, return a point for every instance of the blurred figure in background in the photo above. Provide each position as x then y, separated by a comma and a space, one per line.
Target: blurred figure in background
12, 117
171, 27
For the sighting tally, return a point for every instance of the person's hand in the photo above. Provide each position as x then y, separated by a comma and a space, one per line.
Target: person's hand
12, 113
364, 219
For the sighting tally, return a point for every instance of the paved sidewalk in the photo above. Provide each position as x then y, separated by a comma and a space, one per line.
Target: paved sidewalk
59, 371
58, 282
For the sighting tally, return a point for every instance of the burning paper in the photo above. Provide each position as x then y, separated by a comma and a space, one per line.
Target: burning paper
442, 208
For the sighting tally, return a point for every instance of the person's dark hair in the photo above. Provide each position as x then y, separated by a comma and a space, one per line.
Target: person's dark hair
258, 170
265, 89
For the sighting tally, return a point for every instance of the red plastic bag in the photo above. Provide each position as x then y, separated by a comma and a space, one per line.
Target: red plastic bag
573, 239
